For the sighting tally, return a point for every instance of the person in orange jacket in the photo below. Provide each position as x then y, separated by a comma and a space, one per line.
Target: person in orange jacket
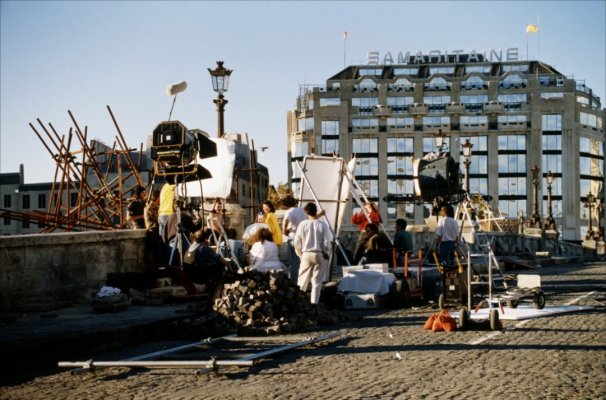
361, 221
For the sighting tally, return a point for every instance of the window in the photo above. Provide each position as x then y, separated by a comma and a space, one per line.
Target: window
512, 186
474, 103
436, 121
512, 163
400, 145
551, 122
330, 146
511, 119
436, 103
365, 146
552, 162
429, 144
483, 69
305, 124
589, 120
399, 165
552, 95
399, 85
366, 85
400, 122
512, 142
25, 202
330, 101
518, 68
405, 71
551, 142
367, 166
474, 120
513, 208
42, 200
441, 70
7, 221
25, 223
7, 201
513, 82
330, 128
370, 71
369, 187
366, 105
473, 82
438, 83
400, 104
364, 123
73, 199
299, 149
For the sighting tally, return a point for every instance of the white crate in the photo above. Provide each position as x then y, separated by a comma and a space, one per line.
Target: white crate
362, 300
384, 267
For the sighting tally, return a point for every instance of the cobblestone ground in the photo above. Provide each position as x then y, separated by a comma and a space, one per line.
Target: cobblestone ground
558, 357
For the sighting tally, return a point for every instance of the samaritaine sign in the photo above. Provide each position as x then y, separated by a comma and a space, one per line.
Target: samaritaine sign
446, 56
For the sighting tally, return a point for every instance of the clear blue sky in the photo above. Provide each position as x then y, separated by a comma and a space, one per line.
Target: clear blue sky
84, 55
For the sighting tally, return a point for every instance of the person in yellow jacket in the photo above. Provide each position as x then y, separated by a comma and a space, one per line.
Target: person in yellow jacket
272, 222
166, 207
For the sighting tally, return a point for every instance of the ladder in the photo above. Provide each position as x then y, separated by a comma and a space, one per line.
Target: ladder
468, 212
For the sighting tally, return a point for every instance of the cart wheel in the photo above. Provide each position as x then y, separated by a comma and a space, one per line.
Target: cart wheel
463, 318
513, 303
494, 320
539, 300
441, 301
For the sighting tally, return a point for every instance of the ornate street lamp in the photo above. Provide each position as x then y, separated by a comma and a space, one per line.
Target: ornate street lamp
600, 211
535, 219
220, 79
549, 221
589, 202
467, 146
439, 138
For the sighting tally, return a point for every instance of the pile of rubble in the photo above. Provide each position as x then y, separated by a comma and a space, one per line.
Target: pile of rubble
259, 303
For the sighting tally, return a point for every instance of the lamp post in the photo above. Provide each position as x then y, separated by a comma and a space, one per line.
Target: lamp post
549, 221
439, 139
535, 218
467, 146
600, 211
589, 202
220, 79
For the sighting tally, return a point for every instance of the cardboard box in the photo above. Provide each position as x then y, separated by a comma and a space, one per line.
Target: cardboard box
362, 300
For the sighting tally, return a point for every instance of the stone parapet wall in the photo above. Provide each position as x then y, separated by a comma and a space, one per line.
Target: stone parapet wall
47, 268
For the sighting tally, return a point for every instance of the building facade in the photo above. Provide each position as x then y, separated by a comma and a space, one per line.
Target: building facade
517, 114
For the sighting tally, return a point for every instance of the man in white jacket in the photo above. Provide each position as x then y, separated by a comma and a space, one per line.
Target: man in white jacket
312, 244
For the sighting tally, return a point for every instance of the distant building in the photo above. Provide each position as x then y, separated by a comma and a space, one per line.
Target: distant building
517, 114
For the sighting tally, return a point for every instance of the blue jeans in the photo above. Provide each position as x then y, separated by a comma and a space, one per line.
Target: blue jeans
447, 253
294, 261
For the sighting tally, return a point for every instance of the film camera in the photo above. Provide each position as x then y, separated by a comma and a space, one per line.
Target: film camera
177, 150
438, 178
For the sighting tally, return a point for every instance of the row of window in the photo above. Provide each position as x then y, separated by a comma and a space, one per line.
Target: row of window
446, 70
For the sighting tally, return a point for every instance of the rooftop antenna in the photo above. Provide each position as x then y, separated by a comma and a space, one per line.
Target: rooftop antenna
174, 90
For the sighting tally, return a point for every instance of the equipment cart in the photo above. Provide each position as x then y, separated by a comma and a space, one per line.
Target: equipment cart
528, 287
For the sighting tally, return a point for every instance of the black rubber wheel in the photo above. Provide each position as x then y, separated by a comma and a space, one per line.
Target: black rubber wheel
513, 303
463, 318
400, 294
539, 300
441, 301
494, 320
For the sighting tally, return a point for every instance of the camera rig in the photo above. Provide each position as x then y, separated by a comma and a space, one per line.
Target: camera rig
176, 151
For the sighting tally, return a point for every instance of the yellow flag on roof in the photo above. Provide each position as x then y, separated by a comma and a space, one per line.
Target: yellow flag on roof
532, 28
